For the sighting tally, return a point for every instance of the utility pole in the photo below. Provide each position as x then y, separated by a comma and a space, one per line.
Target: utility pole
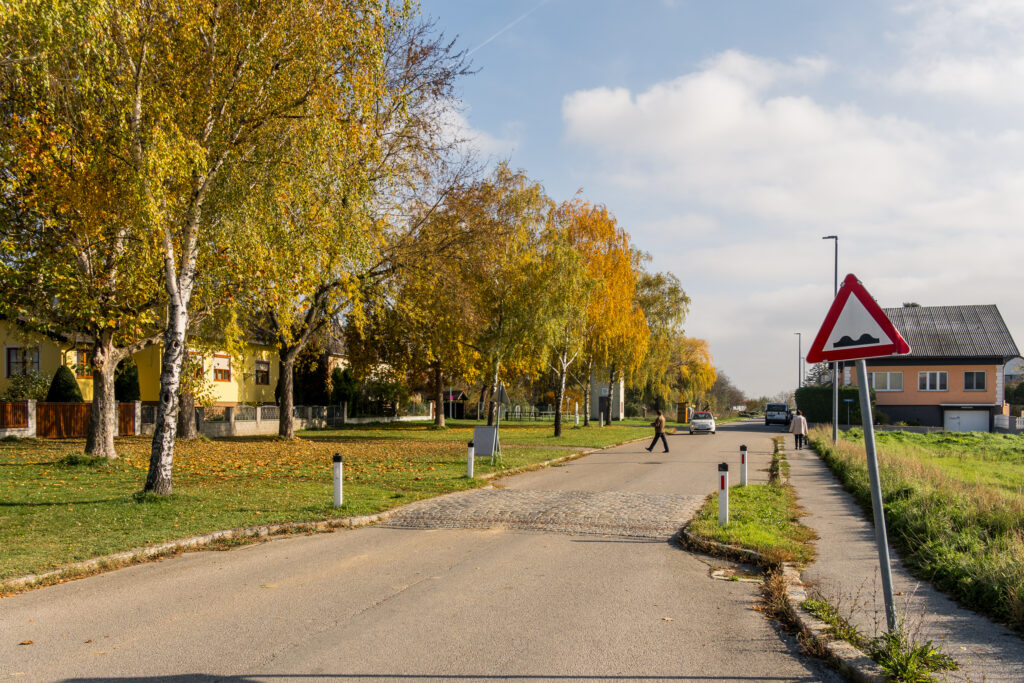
799, 360
835, 364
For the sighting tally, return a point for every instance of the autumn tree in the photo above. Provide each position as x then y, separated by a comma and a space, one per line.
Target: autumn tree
78, 262
508, 299
665, 305
693, 372
616, 334
327, 232
571, 288
723, 394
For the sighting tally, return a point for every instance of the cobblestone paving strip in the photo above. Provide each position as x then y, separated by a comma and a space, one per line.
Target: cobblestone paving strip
605, 513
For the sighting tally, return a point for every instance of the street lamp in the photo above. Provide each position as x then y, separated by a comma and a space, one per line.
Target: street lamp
835, 365
799, 359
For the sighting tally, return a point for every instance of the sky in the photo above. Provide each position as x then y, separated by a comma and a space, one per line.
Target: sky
729, 137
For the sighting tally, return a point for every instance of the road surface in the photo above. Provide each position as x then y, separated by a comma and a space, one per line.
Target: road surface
566, 573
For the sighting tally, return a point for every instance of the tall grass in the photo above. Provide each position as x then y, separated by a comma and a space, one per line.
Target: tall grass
956, 526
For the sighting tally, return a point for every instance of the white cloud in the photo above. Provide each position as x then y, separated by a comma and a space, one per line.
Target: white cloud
737, 172
964, 49
722, 136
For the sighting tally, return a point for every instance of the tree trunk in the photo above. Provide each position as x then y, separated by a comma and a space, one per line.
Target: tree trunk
103, 422
161, 459
187, 417
612, 374
559, 399
494, 392
438, 396
286, 421
483, 393
588, 388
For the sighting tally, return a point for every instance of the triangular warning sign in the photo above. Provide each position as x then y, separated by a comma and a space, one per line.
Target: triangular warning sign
855, 327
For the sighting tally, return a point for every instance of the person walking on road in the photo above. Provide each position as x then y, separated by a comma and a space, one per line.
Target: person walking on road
798, 428
659, 432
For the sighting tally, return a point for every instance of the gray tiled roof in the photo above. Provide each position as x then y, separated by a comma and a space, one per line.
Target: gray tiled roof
954, 332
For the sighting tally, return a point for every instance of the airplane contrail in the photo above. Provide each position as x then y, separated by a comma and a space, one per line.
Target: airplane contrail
508, 26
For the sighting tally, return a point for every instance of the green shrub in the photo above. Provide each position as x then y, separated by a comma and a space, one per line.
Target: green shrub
64, 387
31, 385
126, 381
344, 387
816, 404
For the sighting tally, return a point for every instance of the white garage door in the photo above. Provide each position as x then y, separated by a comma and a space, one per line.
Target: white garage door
965, 420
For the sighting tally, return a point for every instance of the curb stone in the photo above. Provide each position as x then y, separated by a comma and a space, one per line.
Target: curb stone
852, 662
265, 531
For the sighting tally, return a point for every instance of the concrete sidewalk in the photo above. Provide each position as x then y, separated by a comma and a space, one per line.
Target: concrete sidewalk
846, 573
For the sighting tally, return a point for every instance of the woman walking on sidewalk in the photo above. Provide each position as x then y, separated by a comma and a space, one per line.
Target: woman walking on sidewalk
798, 428
659, 432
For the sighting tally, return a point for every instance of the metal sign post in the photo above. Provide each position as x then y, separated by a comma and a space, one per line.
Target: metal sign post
881, 538
856, 328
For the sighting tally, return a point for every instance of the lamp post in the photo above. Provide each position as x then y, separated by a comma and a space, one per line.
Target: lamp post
835, 365
799, 359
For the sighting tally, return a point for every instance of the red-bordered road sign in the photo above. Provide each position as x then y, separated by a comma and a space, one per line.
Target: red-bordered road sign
855, 327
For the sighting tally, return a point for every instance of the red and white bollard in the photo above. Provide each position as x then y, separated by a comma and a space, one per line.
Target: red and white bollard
338, 464
723, 493
743, 465
470, 457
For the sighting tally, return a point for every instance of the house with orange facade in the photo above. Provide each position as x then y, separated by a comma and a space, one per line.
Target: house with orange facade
953, 376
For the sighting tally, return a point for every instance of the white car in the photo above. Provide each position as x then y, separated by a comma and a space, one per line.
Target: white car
702, 422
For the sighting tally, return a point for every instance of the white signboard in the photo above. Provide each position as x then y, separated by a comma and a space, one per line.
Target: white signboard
485, 440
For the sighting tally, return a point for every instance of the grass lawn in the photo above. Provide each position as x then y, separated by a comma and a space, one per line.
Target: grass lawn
53, 511
953, 505
763, 518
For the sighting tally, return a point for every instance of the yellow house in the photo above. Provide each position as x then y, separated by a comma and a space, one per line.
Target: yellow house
250, 378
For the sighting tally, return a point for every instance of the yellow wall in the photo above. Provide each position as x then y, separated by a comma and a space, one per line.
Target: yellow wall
242, 387
955, 392
148, 362
50, 356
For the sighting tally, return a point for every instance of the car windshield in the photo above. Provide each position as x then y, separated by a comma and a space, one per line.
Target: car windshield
702, 416
777, 407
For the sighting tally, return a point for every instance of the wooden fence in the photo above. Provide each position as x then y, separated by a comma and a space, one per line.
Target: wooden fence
63, 420
14, 415
125, 418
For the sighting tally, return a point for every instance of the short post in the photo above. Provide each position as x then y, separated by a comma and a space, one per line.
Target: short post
470, 457
723, 493
337, 480
577, 412
600, 419
743, 465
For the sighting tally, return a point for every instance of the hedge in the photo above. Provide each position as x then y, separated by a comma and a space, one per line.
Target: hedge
64, 387
816, 404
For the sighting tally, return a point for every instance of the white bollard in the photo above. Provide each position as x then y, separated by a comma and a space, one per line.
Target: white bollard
470, 457
337, 480
723, 493
743, 465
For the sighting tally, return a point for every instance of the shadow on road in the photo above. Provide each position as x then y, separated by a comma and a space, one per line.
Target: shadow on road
209, 678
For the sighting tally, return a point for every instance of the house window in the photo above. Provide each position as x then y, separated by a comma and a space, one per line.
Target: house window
83, 369
974, 381
221, 367
886, 381
931, 381
263, 372
21, 360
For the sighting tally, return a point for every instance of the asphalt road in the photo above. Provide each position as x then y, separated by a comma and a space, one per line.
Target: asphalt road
540, 594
